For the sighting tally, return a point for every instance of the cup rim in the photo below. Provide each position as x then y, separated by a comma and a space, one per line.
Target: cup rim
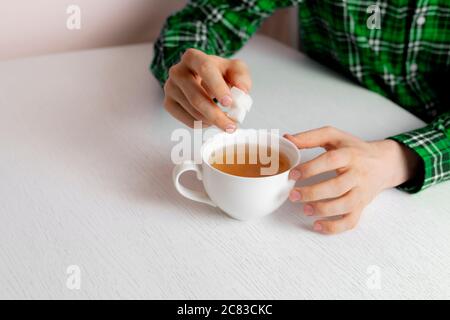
205, 161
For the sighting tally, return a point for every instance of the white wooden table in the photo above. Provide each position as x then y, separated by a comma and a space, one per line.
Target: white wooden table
85, 180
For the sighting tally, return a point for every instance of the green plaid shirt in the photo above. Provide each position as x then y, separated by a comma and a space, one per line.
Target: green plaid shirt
398, 48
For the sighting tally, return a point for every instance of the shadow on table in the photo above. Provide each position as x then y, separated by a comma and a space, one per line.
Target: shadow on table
164, 193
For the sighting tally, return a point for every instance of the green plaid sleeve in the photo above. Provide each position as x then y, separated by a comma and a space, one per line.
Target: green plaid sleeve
432, 144
219, 27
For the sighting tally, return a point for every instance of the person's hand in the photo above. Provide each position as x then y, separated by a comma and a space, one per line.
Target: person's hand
363, 170
196, 80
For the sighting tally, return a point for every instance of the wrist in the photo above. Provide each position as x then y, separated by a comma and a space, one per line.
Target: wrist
401, 162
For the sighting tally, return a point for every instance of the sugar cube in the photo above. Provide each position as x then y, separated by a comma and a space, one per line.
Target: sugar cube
241, 99
241, 104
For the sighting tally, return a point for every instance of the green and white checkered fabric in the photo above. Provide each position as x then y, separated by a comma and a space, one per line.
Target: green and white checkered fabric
397, 48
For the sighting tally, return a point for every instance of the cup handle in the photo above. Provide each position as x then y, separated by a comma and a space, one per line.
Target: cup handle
199, 196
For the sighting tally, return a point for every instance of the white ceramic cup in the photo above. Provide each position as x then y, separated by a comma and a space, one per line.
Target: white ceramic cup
242, 198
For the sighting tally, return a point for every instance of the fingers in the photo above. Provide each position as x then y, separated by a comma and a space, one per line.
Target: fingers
346, 222
210, 73
200, 101
181, 99
202, 78
333, 207
178, 112
238, 75
340, 214
328, 161
328, 189
322, 137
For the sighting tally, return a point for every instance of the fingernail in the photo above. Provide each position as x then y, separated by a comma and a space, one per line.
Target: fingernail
317, 227
308, 210
294, 196
230, 128
294, 175
226, 101
243, 88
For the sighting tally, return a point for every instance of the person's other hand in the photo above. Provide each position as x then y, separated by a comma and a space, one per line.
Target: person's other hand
196, 80
363, 170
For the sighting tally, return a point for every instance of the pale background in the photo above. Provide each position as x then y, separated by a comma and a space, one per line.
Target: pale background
39, 27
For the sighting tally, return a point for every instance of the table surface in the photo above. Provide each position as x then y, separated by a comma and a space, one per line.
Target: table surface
85, 180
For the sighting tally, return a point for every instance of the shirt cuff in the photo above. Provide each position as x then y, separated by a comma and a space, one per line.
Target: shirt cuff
432, 145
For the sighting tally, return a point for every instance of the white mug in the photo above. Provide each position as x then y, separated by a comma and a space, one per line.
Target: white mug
242, 198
